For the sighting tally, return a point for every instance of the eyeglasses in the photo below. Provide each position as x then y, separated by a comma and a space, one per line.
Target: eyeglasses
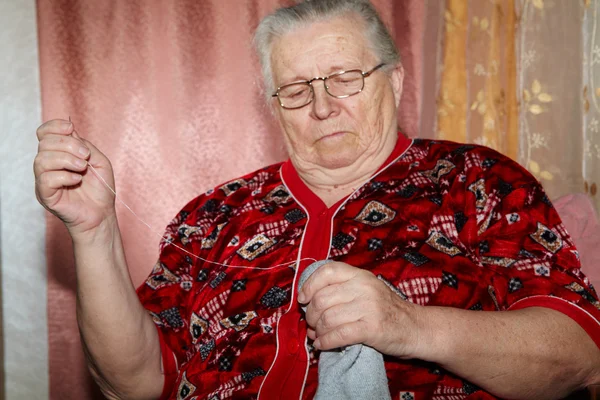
339, 85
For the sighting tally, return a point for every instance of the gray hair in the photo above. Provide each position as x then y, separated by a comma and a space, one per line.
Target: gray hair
286, 19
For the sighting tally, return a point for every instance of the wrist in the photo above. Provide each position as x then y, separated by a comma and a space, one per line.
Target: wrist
103, 234
429, 334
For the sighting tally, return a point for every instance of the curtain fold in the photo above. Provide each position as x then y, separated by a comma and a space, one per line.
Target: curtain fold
452, 99
591, 99
477, 100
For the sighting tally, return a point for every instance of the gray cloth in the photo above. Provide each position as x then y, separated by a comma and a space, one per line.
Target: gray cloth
355, 372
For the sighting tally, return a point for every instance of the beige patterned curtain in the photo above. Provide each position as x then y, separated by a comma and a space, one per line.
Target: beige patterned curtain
591, 99
552, 111
477, 96
523, 77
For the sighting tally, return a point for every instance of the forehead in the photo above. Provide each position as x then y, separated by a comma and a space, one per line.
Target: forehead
320, 48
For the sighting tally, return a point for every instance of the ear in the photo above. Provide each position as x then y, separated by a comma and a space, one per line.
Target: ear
397, 79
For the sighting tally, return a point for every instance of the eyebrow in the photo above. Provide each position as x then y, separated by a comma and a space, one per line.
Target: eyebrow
332, 70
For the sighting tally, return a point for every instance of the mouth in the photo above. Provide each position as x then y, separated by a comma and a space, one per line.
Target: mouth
332, 135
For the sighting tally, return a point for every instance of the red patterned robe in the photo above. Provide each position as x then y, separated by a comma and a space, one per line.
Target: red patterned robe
440, 223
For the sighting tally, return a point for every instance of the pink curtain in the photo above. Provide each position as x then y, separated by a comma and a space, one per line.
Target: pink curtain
170, 92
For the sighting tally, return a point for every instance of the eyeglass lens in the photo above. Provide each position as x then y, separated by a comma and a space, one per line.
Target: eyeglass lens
341, 85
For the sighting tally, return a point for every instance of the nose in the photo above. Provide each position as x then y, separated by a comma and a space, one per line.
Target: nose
323, 105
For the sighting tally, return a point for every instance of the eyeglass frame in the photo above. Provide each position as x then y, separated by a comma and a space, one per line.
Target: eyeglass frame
324, 79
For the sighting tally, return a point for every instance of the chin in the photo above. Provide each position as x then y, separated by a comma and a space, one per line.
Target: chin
339, 152
336, 161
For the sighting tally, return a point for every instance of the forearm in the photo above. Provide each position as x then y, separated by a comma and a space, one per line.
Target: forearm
119, 337
526, 354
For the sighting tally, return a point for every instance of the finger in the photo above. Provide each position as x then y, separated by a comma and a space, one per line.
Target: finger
67, 144
96, 157
57, 161
311, 333
338, 315
55, 126
329, 274
343, 335
50, 182
325, 298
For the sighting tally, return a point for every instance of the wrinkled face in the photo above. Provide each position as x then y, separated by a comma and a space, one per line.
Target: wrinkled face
334, 133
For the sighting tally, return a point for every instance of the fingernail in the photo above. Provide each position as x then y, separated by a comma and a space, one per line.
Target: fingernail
301, 297
317, 344
76, 177
84, 151
80, 163
67, 124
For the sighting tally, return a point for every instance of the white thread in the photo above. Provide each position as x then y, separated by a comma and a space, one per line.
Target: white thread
179, 247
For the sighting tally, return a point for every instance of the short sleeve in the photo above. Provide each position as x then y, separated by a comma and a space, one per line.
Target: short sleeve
519, 236
167, 290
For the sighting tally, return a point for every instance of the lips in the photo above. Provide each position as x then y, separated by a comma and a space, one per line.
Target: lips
332, 135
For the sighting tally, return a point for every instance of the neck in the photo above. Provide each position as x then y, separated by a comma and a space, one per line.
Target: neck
331, 194
332, 185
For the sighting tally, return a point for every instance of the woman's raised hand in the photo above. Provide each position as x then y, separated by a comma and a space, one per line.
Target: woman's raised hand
64, 183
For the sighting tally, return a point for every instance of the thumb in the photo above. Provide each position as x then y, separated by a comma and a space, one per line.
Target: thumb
83, 141
99, 162
95, 157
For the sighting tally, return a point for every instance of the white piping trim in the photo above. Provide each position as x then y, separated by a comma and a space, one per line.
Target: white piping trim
293, 290
274, 359
556, 298
296, 275
307, 367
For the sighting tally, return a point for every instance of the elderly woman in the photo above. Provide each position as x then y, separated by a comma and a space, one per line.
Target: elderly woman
448, 259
